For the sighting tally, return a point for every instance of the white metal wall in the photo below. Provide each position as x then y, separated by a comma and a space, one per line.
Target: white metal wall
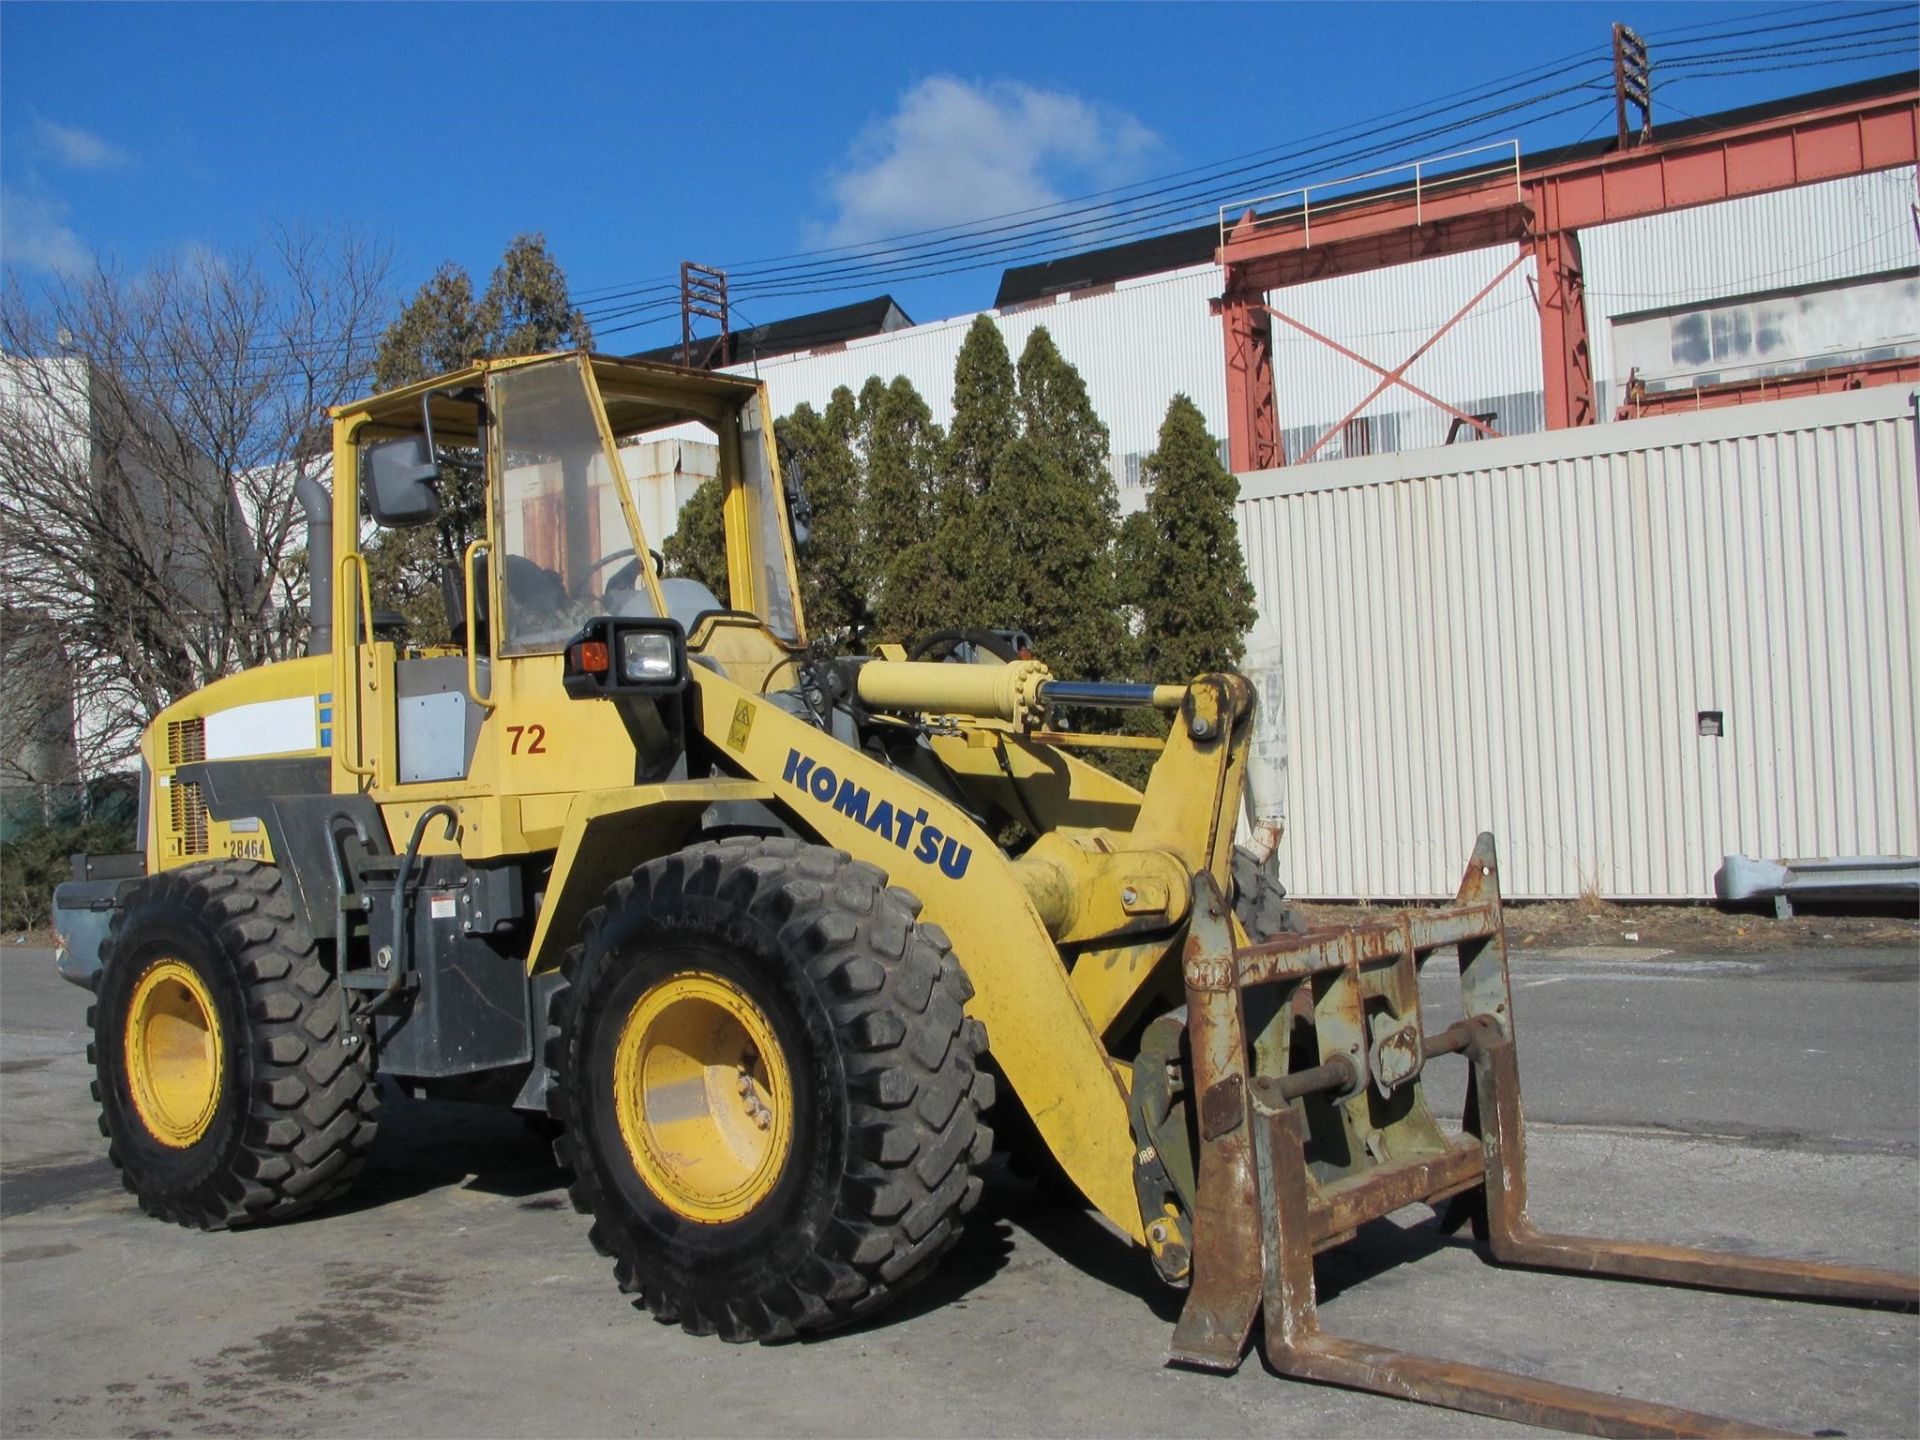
1147, 339
1519, 636
1136, 345
1862, 225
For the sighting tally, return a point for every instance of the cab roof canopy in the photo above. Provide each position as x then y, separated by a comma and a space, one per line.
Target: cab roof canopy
639, 395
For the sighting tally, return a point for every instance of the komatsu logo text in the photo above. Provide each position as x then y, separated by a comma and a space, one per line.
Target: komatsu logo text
906, 828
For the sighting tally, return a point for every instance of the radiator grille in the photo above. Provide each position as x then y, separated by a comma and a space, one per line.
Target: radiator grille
186, 741
189, 818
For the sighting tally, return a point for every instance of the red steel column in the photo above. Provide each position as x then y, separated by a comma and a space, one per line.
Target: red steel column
1253, 433
1566, 355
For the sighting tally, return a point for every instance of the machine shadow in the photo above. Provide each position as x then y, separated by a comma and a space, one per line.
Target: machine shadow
427, 1145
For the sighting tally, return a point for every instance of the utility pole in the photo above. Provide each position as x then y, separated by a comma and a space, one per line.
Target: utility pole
703, 292
1632, 85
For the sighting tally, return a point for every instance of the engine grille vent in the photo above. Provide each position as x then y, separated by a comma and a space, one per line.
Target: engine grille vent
186, 741
189, 818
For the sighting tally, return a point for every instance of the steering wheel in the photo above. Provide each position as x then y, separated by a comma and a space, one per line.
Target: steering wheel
620, 579
944, 645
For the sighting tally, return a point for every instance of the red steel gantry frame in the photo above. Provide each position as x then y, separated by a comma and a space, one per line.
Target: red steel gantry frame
1542, 211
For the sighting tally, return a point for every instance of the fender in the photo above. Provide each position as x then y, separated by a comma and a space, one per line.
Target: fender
1040, 1034
607, 833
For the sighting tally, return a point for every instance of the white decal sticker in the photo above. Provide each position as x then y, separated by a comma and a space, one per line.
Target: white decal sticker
268, 727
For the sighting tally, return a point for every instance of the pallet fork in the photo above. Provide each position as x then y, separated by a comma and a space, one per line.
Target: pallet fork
1277, 1180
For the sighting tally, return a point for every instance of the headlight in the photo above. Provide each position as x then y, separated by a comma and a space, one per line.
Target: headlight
626, 655
647, 657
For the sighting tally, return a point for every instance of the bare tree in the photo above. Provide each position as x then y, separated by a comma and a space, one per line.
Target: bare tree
152, 431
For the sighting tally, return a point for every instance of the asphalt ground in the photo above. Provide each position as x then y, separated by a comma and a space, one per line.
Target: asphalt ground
1769, 1103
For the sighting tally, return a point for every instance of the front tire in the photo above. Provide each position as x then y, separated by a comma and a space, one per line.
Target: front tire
225, 1092
769, 1087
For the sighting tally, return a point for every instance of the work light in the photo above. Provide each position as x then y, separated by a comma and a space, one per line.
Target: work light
618, 655
647, 657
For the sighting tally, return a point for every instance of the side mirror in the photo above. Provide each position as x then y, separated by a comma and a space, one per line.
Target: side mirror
400, 482
799, 511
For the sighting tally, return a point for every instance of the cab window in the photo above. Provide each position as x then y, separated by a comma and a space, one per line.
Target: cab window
564, 549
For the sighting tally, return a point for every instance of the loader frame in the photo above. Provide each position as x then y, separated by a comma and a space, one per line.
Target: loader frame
1283, 1108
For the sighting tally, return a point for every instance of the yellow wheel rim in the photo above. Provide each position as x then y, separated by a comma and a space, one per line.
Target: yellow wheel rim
703, 1096
175, 1057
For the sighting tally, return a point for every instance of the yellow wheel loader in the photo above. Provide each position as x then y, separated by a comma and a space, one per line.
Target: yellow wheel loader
764, 928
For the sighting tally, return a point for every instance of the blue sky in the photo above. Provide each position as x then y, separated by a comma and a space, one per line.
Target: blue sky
638, 136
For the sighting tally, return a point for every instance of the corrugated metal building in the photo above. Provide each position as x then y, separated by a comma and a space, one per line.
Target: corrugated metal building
1140, 341
1530, 635
1628, 650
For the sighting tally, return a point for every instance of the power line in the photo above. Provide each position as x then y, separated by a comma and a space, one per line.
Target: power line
1149, 189
1879, 35
1746, 30
1547, 70
1108, 226
1783, 66
1757, 15
1130, 207
1071, 242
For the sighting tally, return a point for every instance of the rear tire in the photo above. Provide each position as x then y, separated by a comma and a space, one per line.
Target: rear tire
769, 1086
225, 1092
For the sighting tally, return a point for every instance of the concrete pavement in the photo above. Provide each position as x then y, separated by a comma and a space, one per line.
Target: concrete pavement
454, 1292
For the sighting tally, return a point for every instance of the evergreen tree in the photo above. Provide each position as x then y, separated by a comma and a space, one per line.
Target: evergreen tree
918, 594
1196, 602
817, 457
437, 331
985, 416
900, 450
900, 446
1048, 566
1135, 554
523, 311
1057, 415
697, 549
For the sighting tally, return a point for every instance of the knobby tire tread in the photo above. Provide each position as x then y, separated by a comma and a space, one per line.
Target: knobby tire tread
896, 995
311, 1101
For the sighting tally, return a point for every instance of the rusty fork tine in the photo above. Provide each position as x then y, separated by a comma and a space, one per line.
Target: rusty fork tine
1298, 1348
1515, 1241
1451, 1385
1706, 1269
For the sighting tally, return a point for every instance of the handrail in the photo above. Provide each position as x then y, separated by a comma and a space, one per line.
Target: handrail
347, 751
471, 617
1423, 185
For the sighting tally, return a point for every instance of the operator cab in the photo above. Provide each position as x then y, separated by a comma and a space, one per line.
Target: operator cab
515, 475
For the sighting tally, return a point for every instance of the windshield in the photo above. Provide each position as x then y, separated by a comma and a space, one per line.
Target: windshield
566, 551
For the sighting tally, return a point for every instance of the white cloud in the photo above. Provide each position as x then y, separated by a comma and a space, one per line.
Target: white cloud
954, 152
34, 233
75, 148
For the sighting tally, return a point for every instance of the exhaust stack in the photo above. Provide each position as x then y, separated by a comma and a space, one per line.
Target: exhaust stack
318, 505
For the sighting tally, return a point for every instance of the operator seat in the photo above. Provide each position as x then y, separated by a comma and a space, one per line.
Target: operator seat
687, 600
